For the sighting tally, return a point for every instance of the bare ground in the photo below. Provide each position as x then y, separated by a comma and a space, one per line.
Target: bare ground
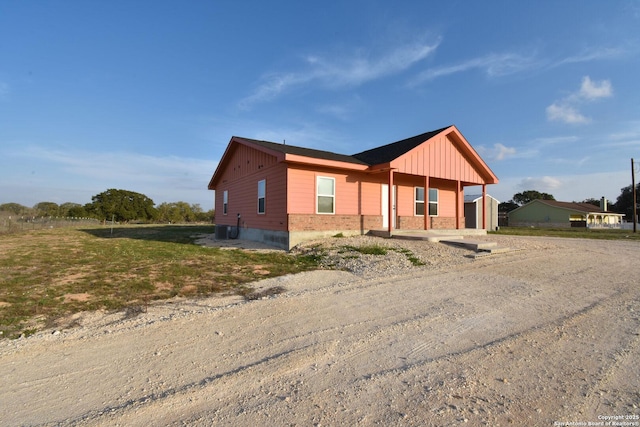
546, 335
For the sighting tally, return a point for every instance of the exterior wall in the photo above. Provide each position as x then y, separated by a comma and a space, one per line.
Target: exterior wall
245, 168
538, 213
539, 224
356, 193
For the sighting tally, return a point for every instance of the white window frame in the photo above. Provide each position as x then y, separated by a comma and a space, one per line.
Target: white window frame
417, 201
225, 202
434, 201
318, 195
262, 185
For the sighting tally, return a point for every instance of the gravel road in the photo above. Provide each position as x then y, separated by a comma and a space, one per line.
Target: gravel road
546, 335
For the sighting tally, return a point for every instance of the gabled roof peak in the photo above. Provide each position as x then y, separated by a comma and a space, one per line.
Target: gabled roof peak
389, 152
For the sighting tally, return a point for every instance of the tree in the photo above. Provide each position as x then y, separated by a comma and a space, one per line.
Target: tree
507, 206
529, 195
624, 202
15, 208
47, 209
592, 201
180, 212
205, 216
72, 210
122, 205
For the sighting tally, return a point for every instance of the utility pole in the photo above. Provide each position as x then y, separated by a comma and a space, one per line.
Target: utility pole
633, 192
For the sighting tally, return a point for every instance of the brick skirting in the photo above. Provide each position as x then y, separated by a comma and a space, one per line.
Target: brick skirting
310, 222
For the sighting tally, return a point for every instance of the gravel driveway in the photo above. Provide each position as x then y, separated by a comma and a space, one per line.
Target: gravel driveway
542, 336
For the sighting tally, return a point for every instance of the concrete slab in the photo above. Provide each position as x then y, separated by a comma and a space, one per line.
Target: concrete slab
428, 237
470, 244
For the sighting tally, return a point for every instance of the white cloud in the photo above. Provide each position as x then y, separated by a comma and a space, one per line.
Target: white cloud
493, 65
497, 152
556, 140
594, 90
566, 109
565, 113
352, 70
593, 54
545, 184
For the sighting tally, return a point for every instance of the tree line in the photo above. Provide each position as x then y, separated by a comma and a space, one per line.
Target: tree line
119, 205
623, 204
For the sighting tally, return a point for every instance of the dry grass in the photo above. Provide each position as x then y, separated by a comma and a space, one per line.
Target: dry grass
48, 274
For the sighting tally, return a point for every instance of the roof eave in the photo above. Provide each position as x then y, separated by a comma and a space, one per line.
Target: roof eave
298, 159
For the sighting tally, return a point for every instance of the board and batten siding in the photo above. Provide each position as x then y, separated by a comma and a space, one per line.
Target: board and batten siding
439, 158
355, 192
245, 169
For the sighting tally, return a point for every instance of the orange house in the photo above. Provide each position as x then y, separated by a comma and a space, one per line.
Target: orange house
282, 194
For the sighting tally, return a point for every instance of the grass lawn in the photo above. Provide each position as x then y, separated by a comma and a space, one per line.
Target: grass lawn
583, 233
48, 274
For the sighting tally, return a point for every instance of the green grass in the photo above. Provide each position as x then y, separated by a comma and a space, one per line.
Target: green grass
608, 234
48, 274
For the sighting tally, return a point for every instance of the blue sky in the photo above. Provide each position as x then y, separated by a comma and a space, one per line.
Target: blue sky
145, 95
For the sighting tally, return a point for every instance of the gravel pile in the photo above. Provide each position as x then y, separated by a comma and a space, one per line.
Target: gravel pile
393, 256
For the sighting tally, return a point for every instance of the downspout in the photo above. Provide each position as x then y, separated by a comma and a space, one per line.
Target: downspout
237, 230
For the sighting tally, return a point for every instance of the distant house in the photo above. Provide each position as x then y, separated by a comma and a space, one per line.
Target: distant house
282, 194
473, 212
551, 213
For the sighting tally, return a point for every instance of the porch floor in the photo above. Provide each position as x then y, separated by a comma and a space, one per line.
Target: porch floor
430, 235
450, 237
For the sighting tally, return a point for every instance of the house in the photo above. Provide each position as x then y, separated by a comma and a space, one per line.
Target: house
473, 211
282, 194
551, 213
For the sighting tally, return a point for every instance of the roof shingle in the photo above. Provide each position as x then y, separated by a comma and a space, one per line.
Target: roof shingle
392, 151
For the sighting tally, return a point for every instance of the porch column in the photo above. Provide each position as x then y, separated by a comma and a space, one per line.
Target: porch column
458, 191
391, 202
426, 202
484, 206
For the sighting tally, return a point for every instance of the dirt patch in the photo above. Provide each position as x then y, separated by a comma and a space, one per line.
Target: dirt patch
546, 335
77, 297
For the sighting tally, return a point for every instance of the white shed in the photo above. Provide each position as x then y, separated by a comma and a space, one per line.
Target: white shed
473, 211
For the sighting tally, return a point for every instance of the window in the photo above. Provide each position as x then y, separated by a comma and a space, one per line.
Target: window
262, 185
326, 194
225, 201
433, 202
419, 201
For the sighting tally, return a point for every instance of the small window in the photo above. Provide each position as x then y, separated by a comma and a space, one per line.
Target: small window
419, 201
225, 201
433, 202
326, 195
262, 186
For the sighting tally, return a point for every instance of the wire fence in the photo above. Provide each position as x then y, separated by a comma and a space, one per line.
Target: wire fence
17, 224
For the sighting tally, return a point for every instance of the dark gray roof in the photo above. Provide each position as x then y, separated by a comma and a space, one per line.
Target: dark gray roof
392, 151
375, 156
581, 207
307, 152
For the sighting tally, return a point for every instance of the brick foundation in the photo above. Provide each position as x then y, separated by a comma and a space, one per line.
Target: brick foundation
361, 223
435, 222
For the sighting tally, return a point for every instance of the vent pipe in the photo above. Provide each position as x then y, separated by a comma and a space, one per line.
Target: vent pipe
603, 204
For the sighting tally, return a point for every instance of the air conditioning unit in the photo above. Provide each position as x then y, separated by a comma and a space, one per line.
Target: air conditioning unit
221, 232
